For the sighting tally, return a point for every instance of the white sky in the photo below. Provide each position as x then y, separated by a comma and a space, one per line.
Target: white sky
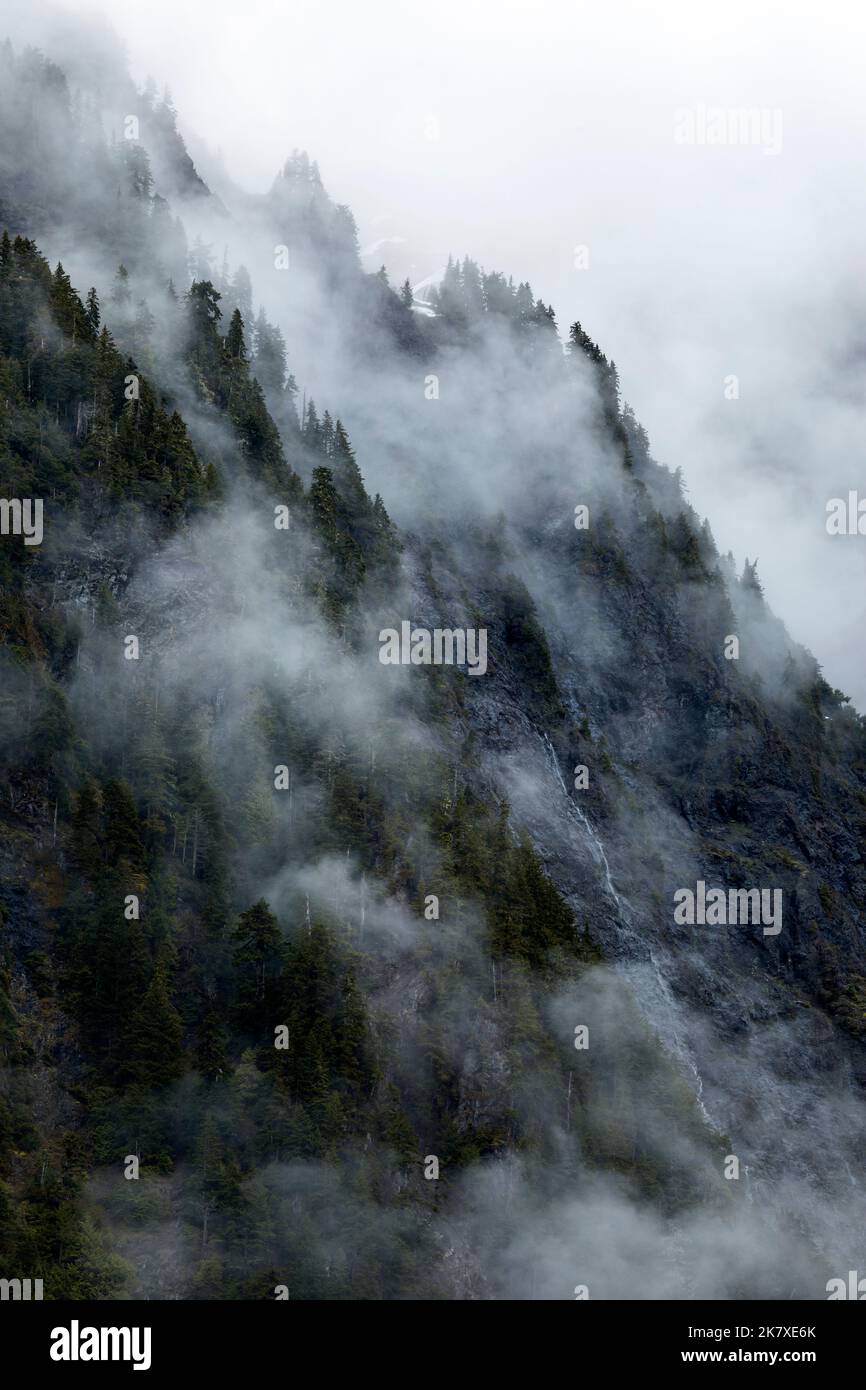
553, 127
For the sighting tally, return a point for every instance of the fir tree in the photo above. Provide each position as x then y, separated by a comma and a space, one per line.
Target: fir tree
92, 309
120, 291
235, 345
258, 959
155, 1035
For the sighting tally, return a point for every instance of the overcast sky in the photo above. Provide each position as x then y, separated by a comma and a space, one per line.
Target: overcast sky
517, 132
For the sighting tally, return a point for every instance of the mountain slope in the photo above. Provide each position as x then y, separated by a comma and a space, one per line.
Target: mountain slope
309, 940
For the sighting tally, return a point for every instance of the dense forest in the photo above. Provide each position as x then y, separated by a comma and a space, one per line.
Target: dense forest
326, 977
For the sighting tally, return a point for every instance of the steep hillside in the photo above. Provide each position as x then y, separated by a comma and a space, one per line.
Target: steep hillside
374, 980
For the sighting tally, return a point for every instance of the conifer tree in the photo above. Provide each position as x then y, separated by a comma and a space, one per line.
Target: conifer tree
86, 845
235, 345
269, 355
92, 309
155, 1035
749, 578
122, 839
120, 291
258, 959
324, 504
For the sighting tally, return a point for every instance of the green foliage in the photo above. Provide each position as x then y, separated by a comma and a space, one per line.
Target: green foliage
154, 1054
258, 963
169, 1017
58, 367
